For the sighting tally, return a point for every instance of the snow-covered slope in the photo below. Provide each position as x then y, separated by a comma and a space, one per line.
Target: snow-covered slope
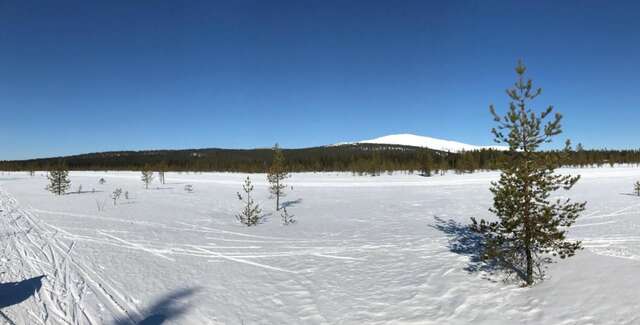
427, 142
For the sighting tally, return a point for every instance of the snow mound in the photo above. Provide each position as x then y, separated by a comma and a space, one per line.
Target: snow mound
428, 142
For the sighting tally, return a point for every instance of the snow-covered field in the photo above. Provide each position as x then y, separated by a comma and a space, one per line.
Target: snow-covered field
365, 250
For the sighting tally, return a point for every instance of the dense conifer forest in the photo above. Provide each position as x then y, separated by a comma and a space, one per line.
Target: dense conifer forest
364, 159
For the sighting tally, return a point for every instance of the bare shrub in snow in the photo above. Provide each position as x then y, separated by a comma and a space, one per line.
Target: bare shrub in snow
287, 218
100, 204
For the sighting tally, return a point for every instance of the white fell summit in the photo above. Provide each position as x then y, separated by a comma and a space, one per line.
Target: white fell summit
428, 142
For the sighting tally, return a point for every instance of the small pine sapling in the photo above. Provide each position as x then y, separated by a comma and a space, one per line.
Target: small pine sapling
116, 195
58, 178
636, 188
250, 214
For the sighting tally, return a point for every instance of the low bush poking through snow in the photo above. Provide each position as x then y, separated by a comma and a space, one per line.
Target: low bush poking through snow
287, 218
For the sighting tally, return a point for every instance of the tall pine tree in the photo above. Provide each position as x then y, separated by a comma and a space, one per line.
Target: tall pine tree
58, 177
531, 228
277, 174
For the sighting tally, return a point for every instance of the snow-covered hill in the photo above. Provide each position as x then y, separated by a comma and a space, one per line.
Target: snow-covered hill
427, 142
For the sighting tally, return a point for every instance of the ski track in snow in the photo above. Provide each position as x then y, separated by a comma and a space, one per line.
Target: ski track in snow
33, 250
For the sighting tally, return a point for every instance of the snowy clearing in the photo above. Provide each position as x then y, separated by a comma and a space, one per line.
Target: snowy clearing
372, 250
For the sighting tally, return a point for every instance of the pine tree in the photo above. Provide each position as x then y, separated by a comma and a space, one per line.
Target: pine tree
147, 176
250, 214
277, 174
58, 178
162, 169
530, 227
636, 188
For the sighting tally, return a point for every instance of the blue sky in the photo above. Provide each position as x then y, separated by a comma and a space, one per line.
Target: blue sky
87, 76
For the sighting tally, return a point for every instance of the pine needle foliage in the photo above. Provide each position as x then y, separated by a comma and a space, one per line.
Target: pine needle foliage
531, 226
277, 174
250, 214
58, 177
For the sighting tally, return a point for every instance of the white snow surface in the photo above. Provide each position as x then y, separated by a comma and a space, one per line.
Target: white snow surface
365, 250
428, 142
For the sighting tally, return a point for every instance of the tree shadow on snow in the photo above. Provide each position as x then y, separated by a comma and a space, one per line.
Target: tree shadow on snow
13, 293
167, 308
83, 192
287, 204
464, 241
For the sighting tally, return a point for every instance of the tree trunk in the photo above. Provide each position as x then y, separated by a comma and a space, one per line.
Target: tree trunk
277, 195
529, 267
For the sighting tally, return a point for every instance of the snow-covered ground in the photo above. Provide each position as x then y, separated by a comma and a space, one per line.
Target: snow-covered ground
365, 250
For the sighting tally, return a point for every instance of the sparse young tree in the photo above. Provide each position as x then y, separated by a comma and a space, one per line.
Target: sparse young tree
58, 178
636, 188
250, 214
531, 228
277, 174
102, 181
147, 176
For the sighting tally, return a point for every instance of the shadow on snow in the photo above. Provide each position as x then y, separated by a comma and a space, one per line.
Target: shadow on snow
13, 293
464, 241
287, 204
167, 308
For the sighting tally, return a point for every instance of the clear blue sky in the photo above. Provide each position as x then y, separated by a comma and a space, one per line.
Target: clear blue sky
87, 76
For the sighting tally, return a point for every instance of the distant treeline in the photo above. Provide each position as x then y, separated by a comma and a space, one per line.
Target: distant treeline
370, 159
